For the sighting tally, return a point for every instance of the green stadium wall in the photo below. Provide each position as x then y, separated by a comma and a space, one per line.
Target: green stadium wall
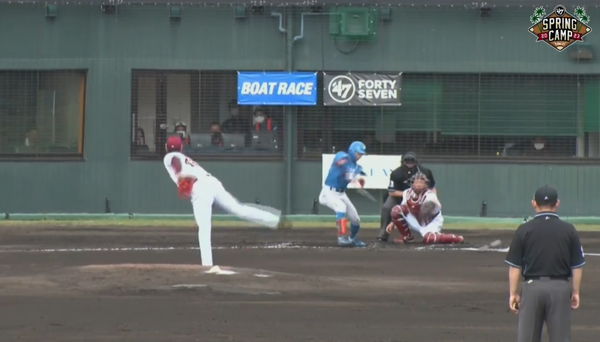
109, 47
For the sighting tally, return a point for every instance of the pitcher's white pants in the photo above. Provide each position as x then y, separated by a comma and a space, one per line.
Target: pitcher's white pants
435, 226
340, 203
205, 192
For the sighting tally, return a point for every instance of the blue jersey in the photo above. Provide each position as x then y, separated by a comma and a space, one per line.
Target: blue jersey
342, 171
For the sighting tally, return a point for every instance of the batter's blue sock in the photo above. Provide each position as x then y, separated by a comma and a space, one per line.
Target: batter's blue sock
339, 216
354, 230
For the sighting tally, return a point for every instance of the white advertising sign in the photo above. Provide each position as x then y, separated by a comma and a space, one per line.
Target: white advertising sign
377, 168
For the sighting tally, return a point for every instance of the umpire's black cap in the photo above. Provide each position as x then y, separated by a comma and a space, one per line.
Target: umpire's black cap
546, 196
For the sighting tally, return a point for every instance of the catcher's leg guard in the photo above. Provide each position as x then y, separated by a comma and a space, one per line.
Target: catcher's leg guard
440, 238
398, 213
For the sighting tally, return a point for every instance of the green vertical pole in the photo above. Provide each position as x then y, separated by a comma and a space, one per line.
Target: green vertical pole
289, 113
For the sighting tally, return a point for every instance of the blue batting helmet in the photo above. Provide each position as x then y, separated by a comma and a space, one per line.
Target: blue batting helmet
357, 147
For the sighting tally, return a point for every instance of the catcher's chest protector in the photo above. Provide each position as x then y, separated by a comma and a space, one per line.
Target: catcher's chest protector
414, 201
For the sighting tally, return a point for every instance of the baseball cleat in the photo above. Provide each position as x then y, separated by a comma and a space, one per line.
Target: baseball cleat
357, 243
455, 239
382, 239
442, 239
343, 241
405, 239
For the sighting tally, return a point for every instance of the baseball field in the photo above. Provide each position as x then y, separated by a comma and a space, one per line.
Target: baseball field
140, 282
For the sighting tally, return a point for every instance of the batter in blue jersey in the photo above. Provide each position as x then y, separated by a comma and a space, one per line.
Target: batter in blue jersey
344, 170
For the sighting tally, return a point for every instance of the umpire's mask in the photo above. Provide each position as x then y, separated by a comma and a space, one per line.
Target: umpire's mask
410, 160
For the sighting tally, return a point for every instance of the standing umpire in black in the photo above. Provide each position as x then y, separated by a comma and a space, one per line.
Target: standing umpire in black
546, 260
400, 181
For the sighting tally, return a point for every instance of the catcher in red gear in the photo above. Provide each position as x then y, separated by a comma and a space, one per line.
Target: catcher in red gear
420, 211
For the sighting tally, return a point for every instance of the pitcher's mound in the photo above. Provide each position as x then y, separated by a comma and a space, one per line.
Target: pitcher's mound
153, 278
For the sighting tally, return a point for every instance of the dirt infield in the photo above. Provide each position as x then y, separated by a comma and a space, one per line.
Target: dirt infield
144, 284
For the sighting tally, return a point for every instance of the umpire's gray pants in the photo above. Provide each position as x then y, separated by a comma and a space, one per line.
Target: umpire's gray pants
547, 301
386, 214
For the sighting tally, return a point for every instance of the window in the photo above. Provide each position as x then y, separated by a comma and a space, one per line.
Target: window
461, 116
201, 107
42, 113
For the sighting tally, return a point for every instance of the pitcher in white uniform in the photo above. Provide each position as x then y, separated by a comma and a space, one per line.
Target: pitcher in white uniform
204, 189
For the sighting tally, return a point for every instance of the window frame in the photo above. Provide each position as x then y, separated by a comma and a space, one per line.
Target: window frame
196, 98
328, 131
57, 157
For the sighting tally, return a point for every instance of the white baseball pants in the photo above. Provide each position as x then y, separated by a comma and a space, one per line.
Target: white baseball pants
205, 192
435, 226
339, 202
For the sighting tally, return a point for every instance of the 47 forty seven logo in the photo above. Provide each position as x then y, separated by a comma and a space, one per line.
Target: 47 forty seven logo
560, 29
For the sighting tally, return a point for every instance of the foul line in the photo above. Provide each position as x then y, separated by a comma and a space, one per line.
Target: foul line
276, 246
472, 249
156, 249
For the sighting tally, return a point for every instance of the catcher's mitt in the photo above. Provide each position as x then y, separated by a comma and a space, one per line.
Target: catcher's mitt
426, 211
184, 187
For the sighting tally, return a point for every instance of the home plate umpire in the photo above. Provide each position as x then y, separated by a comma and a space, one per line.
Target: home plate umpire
546, 260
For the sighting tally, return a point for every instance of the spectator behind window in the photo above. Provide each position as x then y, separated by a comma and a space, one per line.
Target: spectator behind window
31, 138
181, 128
140, 137
537, 148
216, 136
140, 140
373, 145
263, 122
237, 123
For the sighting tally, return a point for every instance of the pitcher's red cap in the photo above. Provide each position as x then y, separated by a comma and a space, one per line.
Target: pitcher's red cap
174, 143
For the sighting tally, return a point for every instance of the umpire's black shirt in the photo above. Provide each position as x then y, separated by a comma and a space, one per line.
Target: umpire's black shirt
400, 177
546, 246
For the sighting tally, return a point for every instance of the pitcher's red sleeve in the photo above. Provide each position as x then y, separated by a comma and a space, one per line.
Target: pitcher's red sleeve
176, 165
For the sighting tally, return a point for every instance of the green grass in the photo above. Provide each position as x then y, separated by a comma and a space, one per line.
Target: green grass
190, 223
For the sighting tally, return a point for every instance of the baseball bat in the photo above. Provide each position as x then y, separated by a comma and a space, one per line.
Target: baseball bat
365, 193
494, 244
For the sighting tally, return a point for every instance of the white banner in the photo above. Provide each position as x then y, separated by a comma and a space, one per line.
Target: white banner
377, 168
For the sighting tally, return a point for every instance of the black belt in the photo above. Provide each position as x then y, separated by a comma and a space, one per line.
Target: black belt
546, 278
336, 189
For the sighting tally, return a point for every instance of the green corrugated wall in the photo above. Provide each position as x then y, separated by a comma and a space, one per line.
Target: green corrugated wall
142, 37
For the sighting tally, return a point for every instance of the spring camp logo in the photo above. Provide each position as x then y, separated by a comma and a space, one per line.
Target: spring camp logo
560, 29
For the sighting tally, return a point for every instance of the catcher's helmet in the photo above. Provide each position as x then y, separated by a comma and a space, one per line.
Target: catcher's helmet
419, 176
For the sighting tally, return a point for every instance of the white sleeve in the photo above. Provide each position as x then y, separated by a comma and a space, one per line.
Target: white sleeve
404, 197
